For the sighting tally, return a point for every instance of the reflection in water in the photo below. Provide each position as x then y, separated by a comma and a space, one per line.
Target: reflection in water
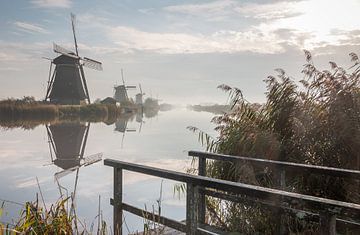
121, 124
23, 154
67, 141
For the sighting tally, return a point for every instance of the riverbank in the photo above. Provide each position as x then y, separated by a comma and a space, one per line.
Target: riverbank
28, 113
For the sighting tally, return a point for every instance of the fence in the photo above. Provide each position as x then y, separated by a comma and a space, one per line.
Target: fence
327, 212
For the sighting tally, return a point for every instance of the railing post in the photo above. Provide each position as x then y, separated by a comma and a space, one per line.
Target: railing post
118, 212
327, 224
191, 209
281, 181
202, 205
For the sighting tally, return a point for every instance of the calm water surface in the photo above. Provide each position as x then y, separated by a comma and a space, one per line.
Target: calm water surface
161, 141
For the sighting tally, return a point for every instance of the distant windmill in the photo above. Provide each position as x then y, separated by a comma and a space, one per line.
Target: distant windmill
67, 83
139, 97
121, 94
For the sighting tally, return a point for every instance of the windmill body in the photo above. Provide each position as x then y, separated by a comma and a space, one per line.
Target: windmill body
121, 94
67, 87
139, 99
67, 83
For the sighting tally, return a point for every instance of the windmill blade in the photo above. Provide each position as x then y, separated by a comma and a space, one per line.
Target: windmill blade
73, 20
93, 64
61, 50
47, 58
122, 77
130, 87
92, 159
63, 173
140, 89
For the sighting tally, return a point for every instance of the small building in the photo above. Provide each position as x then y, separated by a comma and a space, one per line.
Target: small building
108, 100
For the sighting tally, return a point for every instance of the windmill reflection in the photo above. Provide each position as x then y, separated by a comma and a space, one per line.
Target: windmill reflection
67, 142
121, 125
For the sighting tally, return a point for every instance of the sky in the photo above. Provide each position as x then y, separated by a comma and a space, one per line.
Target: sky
179, 50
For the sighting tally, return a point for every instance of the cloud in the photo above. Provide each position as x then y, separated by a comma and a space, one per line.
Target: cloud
146, 11
311, 23
30, 28
212, 11
315, 18
270, 11
52, 3
224, 41
197, 9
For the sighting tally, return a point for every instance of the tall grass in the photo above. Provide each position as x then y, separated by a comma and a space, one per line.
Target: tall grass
26, 108
28, 113
58, 219
313, 121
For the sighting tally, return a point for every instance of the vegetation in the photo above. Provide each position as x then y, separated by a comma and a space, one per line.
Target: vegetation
28, 113
58, 219
313, 121
215, 109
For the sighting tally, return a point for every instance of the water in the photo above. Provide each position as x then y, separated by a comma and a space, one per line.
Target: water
161, 141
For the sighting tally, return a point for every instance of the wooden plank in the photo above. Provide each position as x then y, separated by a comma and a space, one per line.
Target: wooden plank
153, 217
292, 199
201, 206
332, 171
327, 224
191, 209
311, 216
118, 215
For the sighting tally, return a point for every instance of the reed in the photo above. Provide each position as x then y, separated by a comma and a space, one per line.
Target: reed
58, 219
27, 113
313, 121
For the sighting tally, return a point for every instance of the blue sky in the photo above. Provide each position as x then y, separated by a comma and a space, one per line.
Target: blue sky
178, 50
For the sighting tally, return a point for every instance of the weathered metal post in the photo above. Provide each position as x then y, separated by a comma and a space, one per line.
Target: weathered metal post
191, 209
327, 224
118, 212
202, 205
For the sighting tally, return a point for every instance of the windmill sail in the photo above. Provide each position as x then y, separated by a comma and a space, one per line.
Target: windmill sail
63, 51
93, 64
86, 162
73, 18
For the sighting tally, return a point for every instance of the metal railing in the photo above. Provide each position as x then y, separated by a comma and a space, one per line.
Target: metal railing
325, 211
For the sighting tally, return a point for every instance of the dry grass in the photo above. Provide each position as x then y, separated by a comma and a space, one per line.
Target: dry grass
27, 113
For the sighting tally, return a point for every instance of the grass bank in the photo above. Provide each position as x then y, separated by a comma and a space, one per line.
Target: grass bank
28, 113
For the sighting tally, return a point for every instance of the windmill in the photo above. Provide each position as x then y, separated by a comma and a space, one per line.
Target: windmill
67, 83
121, 94
139, 97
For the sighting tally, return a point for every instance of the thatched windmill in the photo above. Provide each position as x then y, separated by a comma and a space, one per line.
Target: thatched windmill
67, 83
